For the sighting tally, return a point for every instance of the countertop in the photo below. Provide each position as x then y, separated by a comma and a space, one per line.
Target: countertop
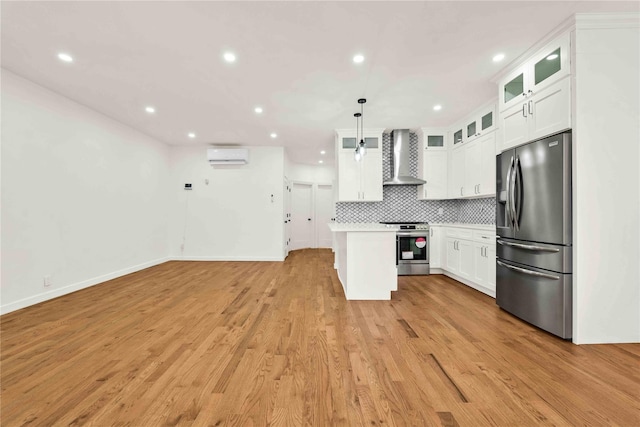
374, 226
483, 227
360, 226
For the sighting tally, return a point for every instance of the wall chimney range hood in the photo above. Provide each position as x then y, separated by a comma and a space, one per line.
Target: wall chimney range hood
400, 174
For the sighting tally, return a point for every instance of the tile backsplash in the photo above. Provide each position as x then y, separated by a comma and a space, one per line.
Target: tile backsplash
400, 203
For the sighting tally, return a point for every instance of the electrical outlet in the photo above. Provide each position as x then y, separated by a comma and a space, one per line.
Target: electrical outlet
47, 281
440, 211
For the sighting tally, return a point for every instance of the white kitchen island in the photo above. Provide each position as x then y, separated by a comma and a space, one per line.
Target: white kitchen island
365, 258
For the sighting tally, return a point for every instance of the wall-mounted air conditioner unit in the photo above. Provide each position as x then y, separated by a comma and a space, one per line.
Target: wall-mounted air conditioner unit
228, 156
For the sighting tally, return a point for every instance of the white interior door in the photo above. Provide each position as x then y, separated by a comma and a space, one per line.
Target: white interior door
302, 221
287, 217
325, 212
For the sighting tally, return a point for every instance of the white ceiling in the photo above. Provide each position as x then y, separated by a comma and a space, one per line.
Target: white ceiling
294, 60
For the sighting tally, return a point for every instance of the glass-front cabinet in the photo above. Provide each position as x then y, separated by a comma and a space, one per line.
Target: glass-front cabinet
457, 137
550, 64
359, 181
481, 122
432, 139
349, 143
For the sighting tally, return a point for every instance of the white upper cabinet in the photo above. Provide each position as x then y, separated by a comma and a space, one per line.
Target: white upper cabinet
535, 99
473, 168
549, 65
432, 163
359, 181
481, 123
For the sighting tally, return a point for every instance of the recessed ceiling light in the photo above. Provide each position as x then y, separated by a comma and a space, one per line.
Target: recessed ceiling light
499, 57
191, 135
229, 57
552, 57
437, 107
273, 135
150, 110
358, 59
320, 161
65, 57
258, 110
323, 152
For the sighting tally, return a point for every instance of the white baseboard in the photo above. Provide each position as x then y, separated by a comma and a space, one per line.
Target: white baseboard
469, 283
224, 258
55, 293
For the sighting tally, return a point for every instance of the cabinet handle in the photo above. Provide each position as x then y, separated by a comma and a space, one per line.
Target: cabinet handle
529, 108
529, 92
461, 191
524, 110
431, 232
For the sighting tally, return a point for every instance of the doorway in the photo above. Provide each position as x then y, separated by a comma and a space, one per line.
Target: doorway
312, 208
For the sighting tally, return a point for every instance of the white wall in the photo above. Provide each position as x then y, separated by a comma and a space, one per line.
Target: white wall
311, 174
234, 216
84, 198
607, 184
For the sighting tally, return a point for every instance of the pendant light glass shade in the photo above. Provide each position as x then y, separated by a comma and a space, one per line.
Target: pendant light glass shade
361, 146
358, 154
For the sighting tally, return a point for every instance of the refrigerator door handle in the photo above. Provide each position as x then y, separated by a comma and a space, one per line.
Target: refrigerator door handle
525, 271
528, 247
516, 203
509, 212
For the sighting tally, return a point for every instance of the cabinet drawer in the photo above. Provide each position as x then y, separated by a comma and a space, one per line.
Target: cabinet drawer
461, 233
488, 237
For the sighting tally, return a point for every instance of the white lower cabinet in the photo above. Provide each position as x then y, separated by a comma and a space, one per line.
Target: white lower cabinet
435, 247
465, 248
453, 256
469, 256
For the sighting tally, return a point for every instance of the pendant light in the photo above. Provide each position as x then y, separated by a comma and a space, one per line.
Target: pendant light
361, 146
358, 154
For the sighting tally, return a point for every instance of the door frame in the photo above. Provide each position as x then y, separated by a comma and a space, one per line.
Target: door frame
314, 205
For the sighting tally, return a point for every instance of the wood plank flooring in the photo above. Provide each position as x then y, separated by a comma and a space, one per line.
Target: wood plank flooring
270, 343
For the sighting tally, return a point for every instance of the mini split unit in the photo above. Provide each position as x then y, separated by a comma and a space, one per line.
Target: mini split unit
228, 156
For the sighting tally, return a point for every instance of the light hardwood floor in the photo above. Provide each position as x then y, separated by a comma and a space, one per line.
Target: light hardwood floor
269, 343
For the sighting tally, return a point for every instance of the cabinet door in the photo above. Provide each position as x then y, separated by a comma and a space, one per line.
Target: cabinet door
371, 176
512, 89
453, 256
456, 184
435, 173
514, 126
348, 178
487, 177
480, 264
549, 65
435, 258
549, 110
487, 121
465, 249
472, 169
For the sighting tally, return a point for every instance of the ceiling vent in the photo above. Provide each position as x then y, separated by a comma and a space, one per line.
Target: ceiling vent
228, 156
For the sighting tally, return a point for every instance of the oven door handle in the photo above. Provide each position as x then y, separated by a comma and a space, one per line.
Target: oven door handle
422, 233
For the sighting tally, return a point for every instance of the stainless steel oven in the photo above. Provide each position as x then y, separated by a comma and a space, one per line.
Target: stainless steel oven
412, 248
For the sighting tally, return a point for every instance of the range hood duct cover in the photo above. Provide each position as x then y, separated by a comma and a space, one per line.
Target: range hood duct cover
400, 156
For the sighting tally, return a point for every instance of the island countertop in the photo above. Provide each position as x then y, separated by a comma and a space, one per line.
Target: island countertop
361, 226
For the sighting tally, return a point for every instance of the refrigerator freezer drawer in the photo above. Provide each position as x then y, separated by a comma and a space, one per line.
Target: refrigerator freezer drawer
540, 255
540, 297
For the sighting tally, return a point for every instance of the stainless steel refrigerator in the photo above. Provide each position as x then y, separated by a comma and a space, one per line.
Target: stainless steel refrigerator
533, 223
